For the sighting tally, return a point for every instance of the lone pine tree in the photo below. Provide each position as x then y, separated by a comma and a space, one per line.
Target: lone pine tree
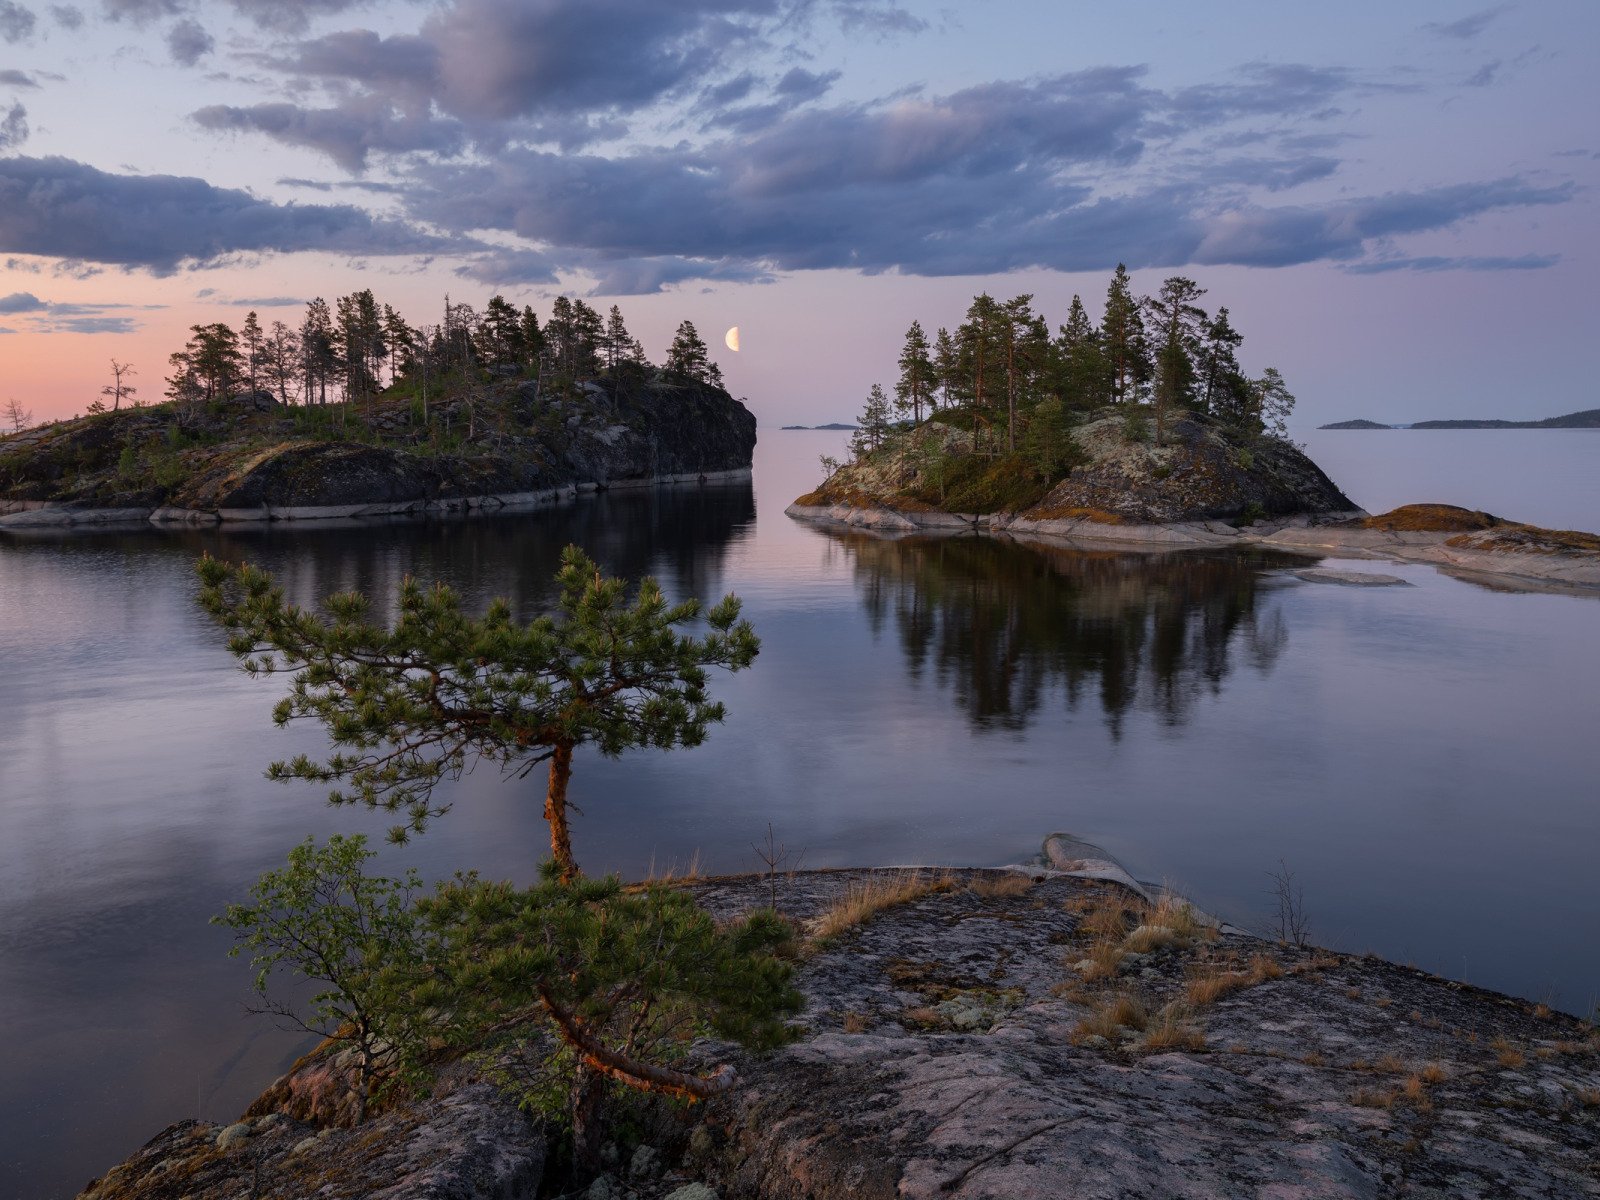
441, 690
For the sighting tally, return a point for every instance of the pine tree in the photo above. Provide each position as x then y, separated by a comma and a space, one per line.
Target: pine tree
688, 357
317, 350
1083, 373
409, 706
117, 389
981, 356
1273, 404
873, 425
947, 367
250, 336
1122, 336
916, 383
1180, 321
1218, 362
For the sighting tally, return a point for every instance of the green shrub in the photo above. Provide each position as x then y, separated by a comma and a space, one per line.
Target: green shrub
980, 485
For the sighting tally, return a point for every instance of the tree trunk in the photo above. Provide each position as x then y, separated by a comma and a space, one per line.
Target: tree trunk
555, 812
588, 1093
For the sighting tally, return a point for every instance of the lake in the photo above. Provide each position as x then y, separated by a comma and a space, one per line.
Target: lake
1422, 758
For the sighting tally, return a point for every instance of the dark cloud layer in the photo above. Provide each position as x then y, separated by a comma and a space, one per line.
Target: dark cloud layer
347, 135
188, 42
13, 127
60, 208
994, 178
16, 22
18, 79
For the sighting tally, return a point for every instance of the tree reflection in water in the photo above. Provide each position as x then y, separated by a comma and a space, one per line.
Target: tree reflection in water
1000, 624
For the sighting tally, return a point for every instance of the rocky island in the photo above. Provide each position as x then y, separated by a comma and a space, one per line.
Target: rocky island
1208, 487
496, 414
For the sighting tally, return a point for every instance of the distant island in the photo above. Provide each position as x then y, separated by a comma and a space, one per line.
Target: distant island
1589, 418
833, 425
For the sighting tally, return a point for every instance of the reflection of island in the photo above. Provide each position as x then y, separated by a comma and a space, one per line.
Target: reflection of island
1001, 624
680, 535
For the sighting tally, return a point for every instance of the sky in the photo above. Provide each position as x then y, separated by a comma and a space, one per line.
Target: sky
1396, 202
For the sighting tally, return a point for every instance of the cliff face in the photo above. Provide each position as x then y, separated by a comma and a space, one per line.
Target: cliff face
252, 455
1204, 472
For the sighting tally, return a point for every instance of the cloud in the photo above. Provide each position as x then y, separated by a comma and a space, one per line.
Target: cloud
91, 325
16, 22
1524, 262
68, 16
14, 127
993, 178
142, 12
1484, 75
19, 79
267, 302
21, 302
291, 16
1467, 27
357, 185
188, 42
1285, 236
347, 135
882, 17
56, 207
800, 85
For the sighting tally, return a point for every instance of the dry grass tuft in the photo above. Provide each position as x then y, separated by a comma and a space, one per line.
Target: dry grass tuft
868, 897
1415, 1092
1589, 1097
1390, 1064
854, 1022
1105, 959
1434, 1073
923, 1016
1172, 1030
1383, 1098
1214, 985
1110, 1018
1313, 1059
1262, 968
1541, 1012
1108, 920
1506, 1054
1000, 883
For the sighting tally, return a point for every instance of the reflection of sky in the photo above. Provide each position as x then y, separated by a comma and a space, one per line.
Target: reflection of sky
1420, 757
1359, 137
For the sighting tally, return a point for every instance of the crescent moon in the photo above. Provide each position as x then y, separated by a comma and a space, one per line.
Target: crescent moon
732, 338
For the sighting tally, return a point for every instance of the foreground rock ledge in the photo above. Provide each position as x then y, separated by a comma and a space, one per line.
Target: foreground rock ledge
942, 1056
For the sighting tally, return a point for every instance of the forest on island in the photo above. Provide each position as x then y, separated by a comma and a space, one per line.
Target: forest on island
356, 348
1018, 389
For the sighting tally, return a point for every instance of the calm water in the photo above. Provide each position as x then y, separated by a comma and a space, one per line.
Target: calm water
1422, 758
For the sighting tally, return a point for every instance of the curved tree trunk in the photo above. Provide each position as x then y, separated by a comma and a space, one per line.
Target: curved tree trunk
555, 812
644, 1077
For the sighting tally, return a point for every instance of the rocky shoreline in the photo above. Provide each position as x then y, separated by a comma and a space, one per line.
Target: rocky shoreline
23, 515
1044, 1030
1512, 554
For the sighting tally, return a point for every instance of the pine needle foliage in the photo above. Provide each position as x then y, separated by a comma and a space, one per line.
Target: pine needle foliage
409, 705
627, 977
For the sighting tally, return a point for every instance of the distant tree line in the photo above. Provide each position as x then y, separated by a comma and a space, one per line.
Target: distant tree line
1153, 356
349, 351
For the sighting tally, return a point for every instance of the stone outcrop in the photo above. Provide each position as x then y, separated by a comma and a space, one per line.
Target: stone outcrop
251, 461
1057, 1029
957, 1046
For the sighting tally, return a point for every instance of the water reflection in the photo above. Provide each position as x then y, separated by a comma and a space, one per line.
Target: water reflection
1001, 625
